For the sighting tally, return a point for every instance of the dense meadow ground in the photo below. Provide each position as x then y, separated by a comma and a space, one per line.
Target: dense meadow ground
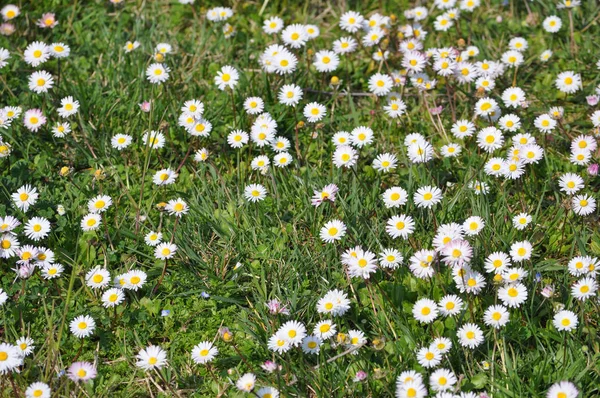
299, 199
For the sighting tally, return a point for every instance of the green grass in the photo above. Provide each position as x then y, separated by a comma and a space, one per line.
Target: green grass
277, 240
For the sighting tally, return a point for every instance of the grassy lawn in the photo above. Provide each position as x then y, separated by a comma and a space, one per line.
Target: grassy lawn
466, 173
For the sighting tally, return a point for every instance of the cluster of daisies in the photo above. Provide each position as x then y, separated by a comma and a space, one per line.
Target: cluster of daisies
499, 128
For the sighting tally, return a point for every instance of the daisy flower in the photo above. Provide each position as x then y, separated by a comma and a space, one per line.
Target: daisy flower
135, 279
442, 380
521, 221
246, 383
91, 222
345, 45
294, 35
326, 61
38, 390
563, 389
11, 357
425, 310
311, 345
380, 84
568, 82
345, 156
565, 321
427, 196
10, 11
351, 21
496, 316
292, 331
204, 352
400, 226
584, 288
429, 357
333, 230
131, 45
82, 326
36, 53
151, 357
40, 82
165, 250
153, 238
112, 297
227, 77
290, 94
521, 251
390, 258
385, 162
552, 24
583, 204
99, 204
34, 119
272, 25
25, 197
255, 192
154, 139
97, 278
314, 112
450, 305
395, 108
254, 105
51, 271
512, 58
328, 193
157, 73
81, 371
164, 177
325, 329
37, 228
513, 295
120, 141
394, 197
470, 335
